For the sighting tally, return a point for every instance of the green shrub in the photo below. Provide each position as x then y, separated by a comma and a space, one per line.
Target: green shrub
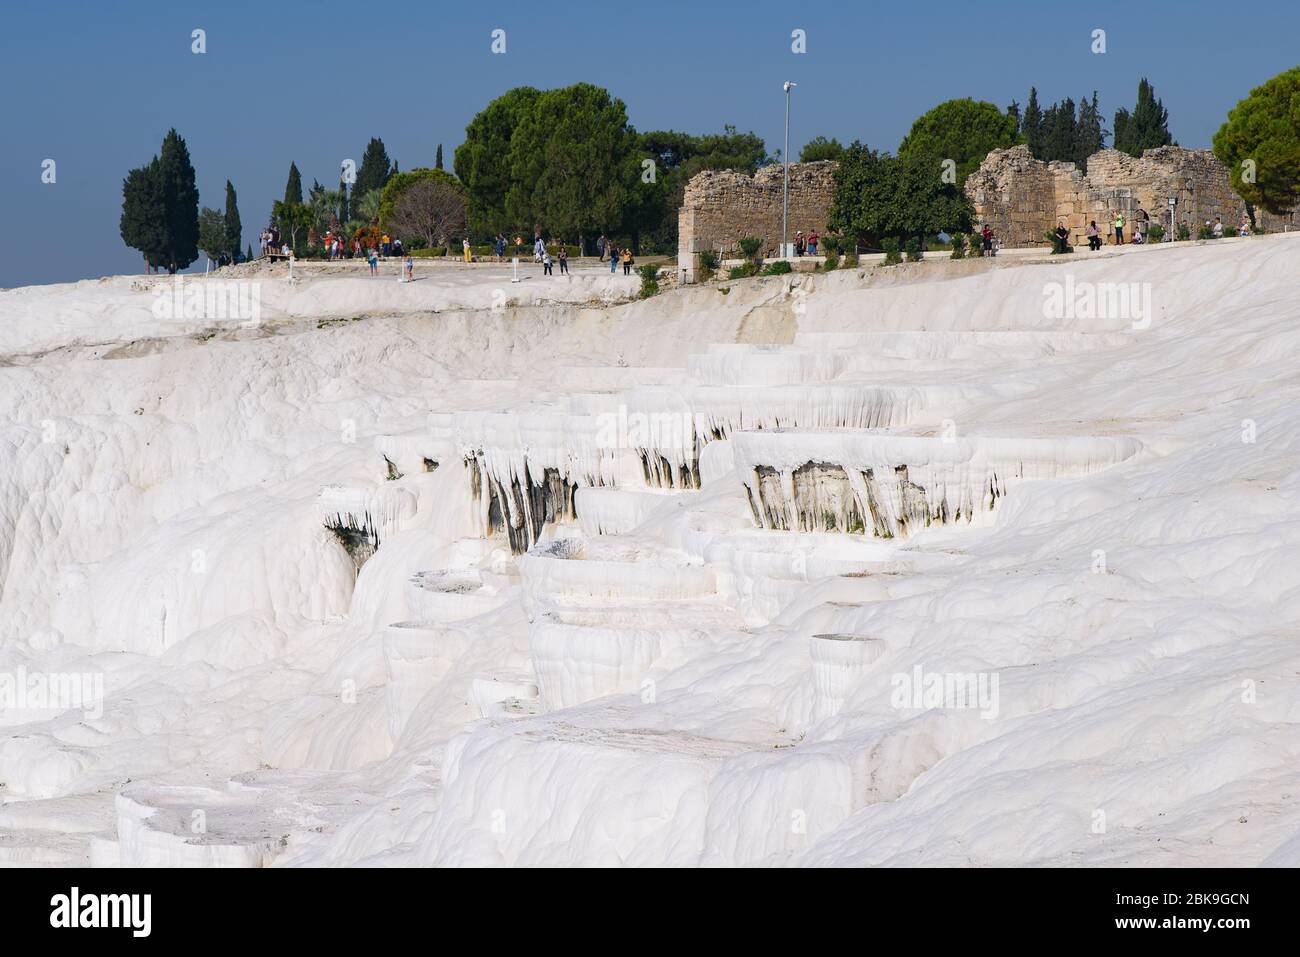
1182, 233
831, 263
1205, 232
832, 245
890, 246
850, 259
914, 252
708, 264
1155, 233
750, 245
778, 268
959, 246
1058, 245
649, 280
741, 272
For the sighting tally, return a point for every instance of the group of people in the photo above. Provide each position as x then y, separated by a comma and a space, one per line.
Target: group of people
806, 244
271, 243
563, 258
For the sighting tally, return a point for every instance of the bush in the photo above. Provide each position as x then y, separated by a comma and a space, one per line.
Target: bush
708, 264
1058, 245
831, 263
890, 246
958, 246
778, 268
1205, 232
914, 252
1155, 233
649, 280
832, 245
1182, 233
750, 245
850, 260
741, 272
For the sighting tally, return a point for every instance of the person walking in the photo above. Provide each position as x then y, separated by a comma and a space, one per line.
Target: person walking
986, 235
613, 260
627, 262
372, 257
564, 260
601, 243
1119, 228
408, 267
546, 262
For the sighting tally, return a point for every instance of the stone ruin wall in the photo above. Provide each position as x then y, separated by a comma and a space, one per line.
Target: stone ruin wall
1021, 197
720, 207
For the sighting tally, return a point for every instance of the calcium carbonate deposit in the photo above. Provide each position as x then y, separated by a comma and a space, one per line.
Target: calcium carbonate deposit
890, 566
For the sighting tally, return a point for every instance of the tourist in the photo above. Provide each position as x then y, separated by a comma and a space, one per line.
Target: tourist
564, 260
546, 262
465, 250
1139, 231
501, 247
812, 243
627, 262
1244, 228
1094, 236
372, 257
1119, 228
408, 267
1062, 239
798, 243
1217, 229
613, 259
539, 248
600, 247
987, 236
385, 246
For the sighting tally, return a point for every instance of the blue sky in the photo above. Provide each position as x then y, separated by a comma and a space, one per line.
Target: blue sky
94, 85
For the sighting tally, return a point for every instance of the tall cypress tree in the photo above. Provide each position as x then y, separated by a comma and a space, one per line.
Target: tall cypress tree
375, 169
234, 229
143, 212
437, 158
1146, 127
293, 188
1032, 124
1091, 137
180, 203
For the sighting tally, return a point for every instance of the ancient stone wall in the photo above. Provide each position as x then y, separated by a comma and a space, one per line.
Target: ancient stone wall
721, 206
1021, 198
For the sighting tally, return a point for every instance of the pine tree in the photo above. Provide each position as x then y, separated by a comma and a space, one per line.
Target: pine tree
1013, 111
1032, 124
180, 204
248, 256
234, 228
437, 158
293, 188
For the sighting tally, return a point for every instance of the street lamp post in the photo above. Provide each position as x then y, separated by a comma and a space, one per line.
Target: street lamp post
785, 186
